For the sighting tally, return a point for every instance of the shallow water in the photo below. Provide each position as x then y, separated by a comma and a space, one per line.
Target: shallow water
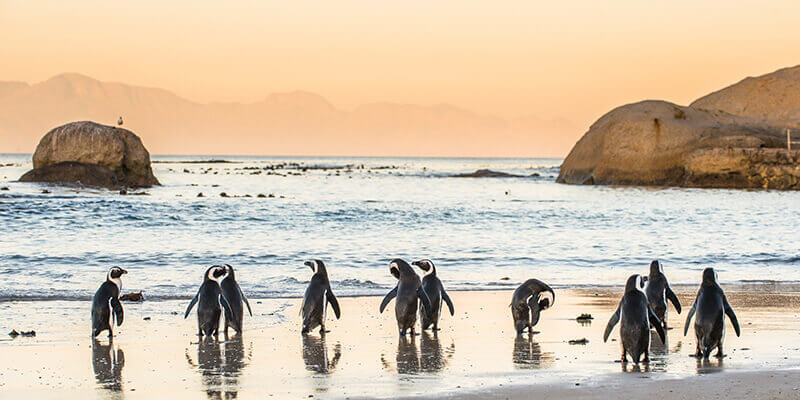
357, 214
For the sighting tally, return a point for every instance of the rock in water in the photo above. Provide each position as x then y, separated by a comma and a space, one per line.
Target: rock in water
486, 173
84, 152
660, 143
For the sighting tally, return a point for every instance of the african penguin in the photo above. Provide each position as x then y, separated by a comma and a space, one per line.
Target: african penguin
105, 299
711, 306
315, 301
234, 296
658, 291
527, 303
210, 302
408, 292
435, 290
635, 317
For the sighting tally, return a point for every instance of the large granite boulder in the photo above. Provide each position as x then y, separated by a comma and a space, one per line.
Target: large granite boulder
774, 97
85, 152
660, 143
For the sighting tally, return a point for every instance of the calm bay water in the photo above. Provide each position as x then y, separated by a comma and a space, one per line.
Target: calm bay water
357, 214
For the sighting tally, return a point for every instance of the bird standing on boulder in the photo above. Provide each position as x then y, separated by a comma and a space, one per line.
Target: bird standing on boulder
119, 121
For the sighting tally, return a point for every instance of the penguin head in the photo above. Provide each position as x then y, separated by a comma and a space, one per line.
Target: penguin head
398, 267
216, 273
229, 272
425, 265
709, 276
116, 273
656, 268
635, 282
315, 265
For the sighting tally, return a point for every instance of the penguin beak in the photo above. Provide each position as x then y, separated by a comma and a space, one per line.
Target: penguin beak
309, 264
123, 271
415, 263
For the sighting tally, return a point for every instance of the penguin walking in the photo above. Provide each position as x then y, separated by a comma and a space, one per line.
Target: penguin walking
636, 318
316, 299
408, 292
527, 303
658, 291
234, 296
105, 299
210, 303
436, 294
711, 307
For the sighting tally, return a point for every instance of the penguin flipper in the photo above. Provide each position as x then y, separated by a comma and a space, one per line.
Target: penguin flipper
227, 307
674, 299
729, 312
389, 296
449, 302
426, 302
334, 303
118, 314
191, 304
247, 303
612, 323
689, 317
656, 323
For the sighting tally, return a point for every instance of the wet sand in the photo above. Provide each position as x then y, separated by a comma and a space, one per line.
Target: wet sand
475, 355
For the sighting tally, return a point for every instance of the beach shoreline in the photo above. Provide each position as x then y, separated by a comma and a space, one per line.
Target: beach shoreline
476, 354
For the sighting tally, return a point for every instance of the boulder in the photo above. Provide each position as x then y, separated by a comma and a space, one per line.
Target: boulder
486, 173
660, 143
67, 151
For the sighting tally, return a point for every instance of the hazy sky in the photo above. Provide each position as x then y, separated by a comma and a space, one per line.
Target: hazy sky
569, 59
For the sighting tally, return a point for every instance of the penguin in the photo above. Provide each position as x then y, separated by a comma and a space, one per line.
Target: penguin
435, 290
119, 121
209, 297
234, 296
408, 291
315, 301
711, 306
105, 299
658, 291
527, 303
636, 317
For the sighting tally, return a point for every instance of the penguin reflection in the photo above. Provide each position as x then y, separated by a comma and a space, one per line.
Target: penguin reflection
315, 354
706, 366
433, 359
528, 354
220, 370
407, 356
107, 364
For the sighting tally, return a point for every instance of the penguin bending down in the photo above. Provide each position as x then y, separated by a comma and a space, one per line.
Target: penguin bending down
105, 299
209, 299
711, 306
408, 291
636, 317
318, 295
658, 291
435, 290
234, 296
527, 303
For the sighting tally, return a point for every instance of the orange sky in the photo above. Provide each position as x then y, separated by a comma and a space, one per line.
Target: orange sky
573, 60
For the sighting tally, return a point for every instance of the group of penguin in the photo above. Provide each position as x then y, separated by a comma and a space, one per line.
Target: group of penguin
643, 306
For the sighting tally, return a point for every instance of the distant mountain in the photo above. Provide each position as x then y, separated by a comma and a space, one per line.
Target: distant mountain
293, 123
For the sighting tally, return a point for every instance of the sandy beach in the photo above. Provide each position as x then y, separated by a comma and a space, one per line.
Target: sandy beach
475, 355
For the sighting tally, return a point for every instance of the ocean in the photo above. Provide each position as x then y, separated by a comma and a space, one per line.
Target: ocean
357, 214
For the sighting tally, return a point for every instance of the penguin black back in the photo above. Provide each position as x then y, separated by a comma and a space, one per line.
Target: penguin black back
317, 297
658, 292
711, 306
637, 317
105, 299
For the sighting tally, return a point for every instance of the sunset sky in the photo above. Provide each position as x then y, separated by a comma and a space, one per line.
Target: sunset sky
571, 60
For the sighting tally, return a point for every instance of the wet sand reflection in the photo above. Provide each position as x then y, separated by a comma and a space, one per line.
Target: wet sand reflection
107, 364
220, 365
